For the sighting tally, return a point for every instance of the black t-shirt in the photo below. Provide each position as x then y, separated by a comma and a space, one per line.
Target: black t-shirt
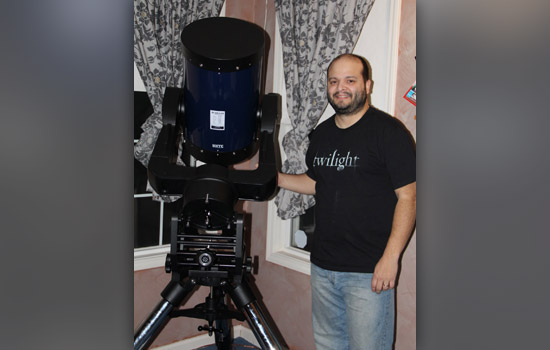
356, 171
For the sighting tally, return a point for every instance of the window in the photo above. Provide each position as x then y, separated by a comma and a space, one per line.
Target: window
301, 230
151, 218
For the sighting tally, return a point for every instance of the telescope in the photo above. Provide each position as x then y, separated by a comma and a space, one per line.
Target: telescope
216, 120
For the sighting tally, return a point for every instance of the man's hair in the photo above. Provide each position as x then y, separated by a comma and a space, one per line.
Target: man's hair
363, 61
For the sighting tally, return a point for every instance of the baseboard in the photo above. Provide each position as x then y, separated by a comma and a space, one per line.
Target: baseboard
205, 339
246, 334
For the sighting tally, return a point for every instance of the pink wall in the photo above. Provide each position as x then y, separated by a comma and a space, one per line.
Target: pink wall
148, 284
406, 112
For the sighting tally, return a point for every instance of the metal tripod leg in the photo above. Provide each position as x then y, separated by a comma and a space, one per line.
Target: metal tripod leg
173, 295
245, 300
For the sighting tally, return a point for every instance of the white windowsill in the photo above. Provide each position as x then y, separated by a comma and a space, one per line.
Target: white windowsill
278, 249
151, 257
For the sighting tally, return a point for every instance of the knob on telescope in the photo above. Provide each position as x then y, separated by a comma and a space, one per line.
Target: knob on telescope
206, 258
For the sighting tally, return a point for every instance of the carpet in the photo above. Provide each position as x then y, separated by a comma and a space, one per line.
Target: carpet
239, 343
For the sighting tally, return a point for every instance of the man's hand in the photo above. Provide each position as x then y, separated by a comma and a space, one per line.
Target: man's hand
385, 273
301, 183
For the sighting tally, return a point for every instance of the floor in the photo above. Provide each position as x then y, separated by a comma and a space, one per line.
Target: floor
238, 344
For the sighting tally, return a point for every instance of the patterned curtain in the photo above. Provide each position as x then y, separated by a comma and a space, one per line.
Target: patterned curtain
158, 54
313, 32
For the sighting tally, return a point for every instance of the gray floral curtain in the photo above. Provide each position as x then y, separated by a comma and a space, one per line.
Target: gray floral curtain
313, 32
158, 54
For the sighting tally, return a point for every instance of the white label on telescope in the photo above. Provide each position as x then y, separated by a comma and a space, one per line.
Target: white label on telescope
217, 120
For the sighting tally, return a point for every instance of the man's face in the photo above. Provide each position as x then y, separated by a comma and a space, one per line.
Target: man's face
346, 90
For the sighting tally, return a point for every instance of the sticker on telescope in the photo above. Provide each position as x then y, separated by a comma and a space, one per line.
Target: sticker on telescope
217, 120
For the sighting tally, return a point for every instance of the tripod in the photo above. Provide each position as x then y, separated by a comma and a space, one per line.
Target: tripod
213, 258
218, 118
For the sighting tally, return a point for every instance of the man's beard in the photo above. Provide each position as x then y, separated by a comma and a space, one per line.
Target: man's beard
357, 102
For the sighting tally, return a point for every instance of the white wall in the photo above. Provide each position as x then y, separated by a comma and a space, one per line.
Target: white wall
138, 83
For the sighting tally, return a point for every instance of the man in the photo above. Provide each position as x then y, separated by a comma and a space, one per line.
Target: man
361, 169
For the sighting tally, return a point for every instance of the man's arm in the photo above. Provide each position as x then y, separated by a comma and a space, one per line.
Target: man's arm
297, 183
404, 217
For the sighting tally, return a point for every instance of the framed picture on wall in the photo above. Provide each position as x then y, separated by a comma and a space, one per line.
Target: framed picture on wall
411, 94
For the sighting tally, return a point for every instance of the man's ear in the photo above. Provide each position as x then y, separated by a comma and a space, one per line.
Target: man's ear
368, 86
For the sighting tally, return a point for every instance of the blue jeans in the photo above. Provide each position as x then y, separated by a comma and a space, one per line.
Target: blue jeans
347, 314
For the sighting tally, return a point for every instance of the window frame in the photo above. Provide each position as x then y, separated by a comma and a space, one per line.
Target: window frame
155, 255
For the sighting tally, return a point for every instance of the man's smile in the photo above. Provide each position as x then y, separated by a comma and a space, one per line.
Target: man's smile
342, 95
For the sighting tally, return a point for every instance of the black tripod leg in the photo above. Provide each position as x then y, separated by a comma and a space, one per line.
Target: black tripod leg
223, 337
173, 295
245, 300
